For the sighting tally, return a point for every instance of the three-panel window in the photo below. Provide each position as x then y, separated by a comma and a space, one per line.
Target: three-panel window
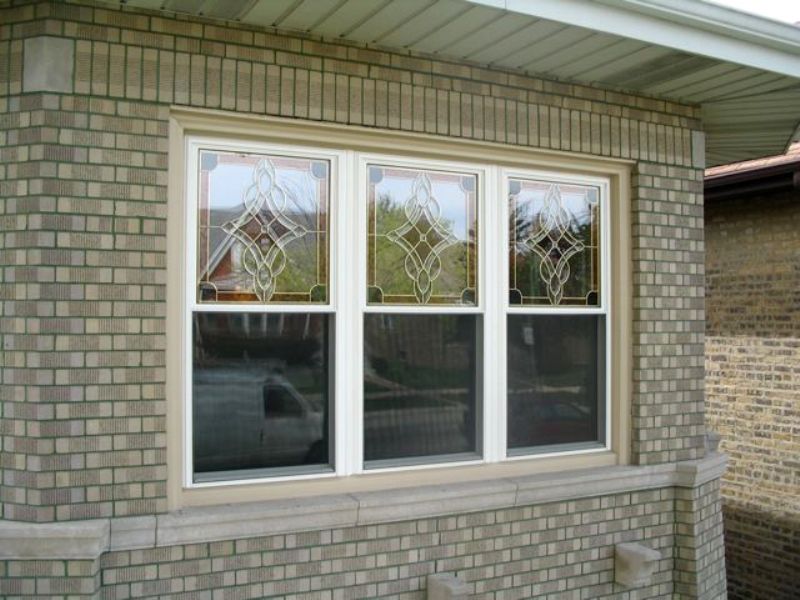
349, 312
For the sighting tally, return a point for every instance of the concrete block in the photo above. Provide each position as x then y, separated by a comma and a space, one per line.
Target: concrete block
712, 441
48, 64
430, 501
443, 586
79, 540
128, 533
699, 149
236, 521
634, 564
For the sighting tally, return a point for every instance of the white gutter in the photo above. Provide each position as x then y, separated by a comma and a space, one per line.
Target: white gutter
690, 26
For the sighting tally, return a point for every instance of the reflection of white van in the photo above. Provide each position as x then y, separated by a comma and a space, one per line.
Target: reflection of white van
244, 420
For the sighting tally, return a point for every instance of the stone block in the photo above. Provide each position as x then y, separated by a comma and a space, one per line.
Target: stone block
48, 64
634, 564
443, 586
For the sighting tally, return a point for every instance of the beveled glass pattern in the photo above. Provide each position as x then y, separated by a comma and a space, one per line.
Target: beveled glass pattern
262, 400
555, 380
421, 387
422, 237
554, 233
262, 228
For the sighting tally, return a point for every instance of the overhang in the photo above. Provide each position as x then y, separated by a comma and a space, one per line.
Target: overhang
743, 70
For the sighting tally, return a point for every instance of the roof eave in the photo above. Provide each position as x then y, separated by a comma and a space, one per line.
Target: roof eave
691, 26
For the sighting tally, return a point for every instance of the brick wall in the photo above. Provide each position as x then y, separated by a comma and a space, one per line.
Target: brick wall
753, 381
92, 170
562, 549
84, 192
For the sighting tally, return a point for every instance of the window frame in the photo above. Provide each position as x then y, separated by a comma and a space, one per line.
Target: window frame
604, 308
353, 151
360, 208
194, 145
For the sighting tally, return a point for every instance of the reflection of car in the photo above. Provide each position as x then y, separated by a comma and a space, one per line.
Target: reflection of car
243, 420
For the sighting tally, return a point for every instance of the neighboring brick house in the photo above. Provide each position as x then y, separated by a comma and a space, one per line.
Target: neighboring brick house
316, 298
753, 366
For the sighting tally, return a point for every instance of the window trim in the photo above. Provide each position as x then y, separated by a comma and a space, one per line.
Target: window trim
420, 148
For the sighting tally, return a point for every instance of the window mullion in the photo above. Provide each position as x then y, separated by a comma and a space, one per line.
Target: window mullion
494, 245
349, 344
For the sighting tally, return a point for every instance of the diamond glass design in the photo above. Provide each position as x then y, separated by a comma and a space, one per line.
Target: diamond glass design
554, 243
422, 234
262, 228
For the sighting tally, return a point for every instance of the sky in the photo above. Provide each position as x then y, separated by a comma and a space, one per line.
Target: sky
787, 11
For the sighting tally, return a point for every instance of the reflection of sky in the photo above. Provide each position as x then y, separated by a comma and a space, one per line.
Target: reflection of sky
451, 198
229, 183
530, 203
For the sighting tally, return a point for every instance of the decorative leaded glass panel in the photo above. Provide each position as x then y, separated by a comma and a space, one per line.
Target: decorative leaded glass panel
554, 234
422, 237
262, 228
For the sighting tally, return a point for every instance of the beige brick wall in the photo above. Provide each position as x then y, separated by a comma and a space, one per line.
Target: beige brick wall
753, 386
87, 190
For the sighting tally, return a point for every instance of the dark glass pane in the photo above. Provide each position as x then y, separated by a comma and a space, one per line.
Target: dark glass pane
260, 393
556, 365
420, 386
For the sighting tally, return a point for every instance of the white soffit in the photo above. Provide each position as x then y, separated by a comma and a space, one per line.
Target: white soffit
743, 70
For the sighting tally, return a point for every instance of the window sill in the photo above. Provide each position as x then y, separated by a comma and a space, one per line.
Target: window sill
89, 539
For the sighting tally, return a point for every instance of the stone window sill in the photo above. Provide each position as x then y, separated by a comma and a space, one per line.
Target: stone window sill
89, 539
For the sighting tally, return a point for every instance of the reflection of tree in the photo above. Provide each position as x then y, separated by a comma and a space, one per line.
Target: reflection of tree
390, 258
528, 278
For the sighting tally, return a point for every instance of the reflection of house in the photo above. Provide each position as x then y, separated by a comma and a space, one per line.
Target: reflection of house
260, 332
100, 102
752, 359
225, 269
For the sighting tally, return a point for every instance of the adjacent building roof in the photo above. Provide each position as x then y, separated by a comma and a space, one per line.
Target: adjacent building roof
748, 166
754, 177
743, 70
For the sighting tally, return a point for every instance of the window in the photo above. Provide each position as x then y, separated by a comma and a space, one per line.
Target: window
350, 311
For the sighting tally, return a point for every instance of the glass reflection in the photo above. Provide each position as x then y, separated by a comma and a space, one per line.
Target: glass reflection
262, 228
260, 393
422, 232
555, 380
420, 387
554, 243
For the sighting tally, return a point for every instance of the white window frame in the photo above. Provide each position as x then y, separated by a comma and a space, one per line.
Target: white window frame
360, 208
194, 144
348, 304
604, 307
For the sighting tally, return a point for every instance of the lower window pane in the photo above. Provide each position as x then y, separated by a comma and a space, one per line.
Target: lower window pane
261, 400
556, 366
421, 375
